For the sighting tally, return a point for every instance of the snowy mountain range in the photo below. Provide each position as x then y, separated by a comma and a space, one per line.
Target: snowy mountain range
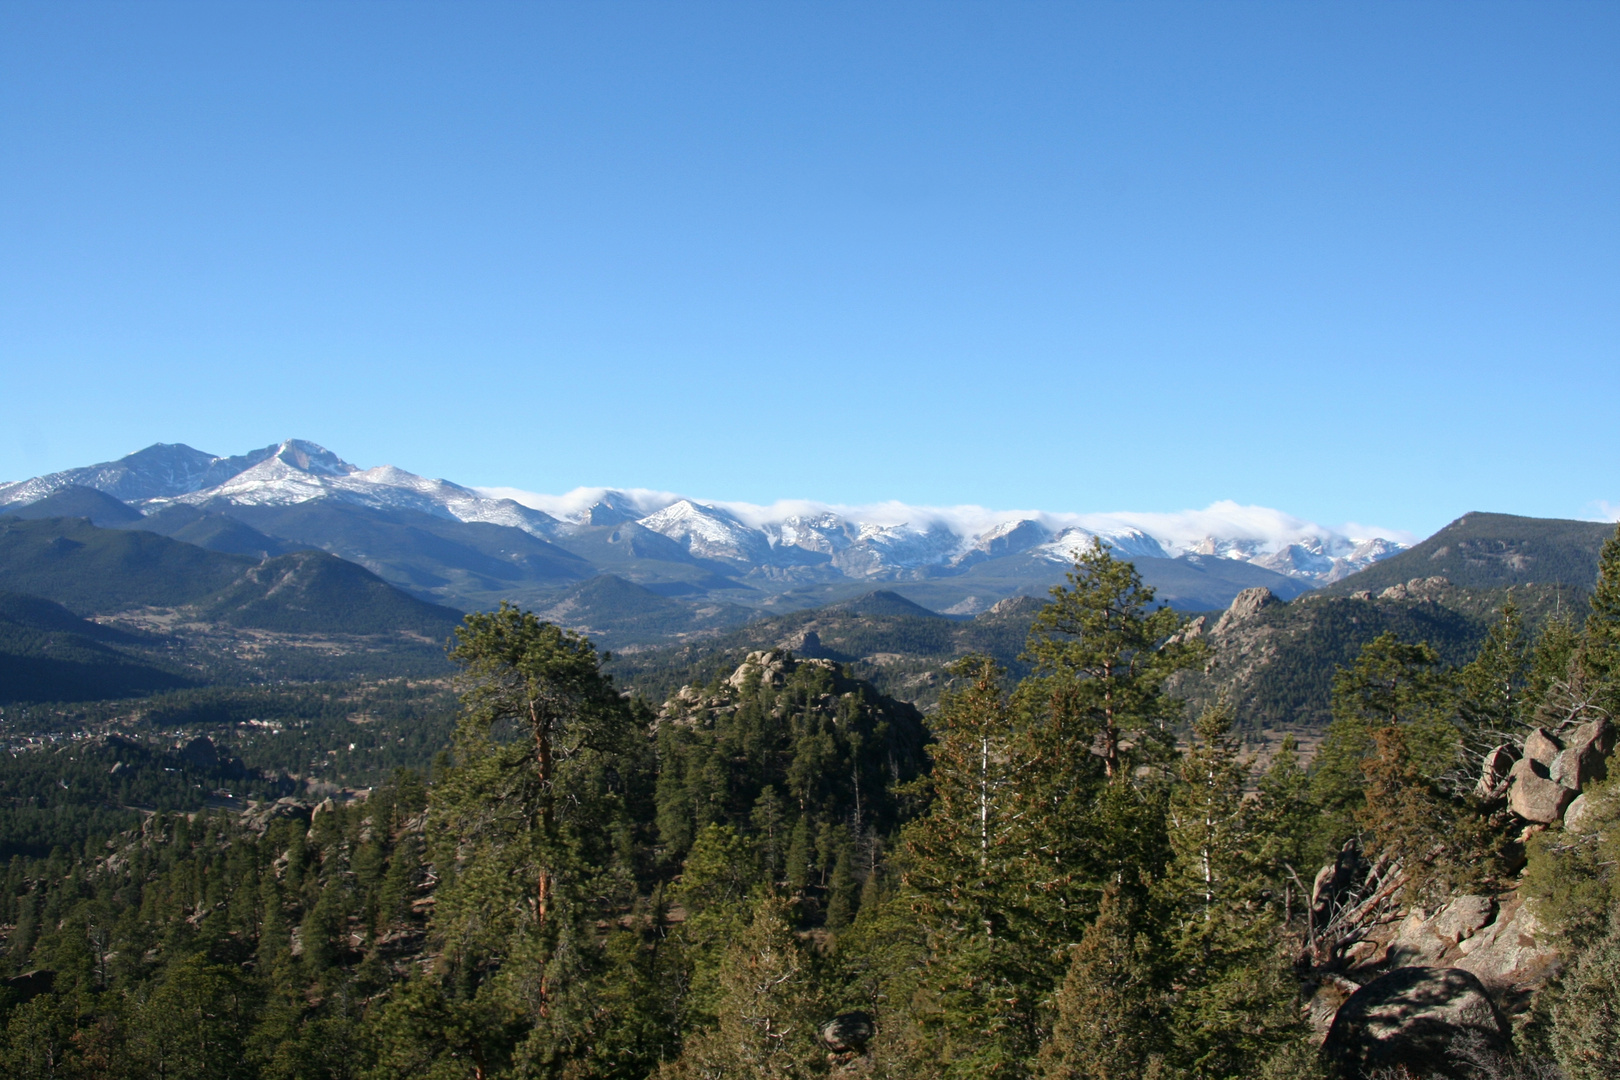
739, 546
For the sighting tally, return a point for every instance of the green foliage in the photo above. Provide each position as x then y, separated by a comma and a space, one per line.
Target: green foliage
1444, 845
1392, 684
1492, 688
194, 1023
1552, 657
1572, 874
1112, 1009
713, 892
1234, 1005
1037, 807
802, 760
1104, 657
767, 1010
175, 958
971, 872
1283, 818
1601, 643
1036, 881
1586, 1035
88, 791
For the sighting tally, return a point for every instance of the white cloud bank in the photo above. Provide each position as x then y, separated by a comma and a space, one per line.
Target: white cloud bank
1178, 531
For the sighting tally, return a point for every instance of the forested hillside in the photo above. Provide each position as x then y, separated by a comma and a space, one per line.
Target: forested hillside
777, 869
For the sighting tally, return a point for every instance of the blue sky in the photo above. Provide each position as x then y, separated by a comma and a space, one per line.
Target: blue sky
1359, 262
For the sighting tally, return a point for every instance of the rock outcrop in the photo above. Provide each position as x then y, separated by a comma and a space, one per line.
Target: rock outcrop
1535, 796
690, 706
848, 1032
258, 816
1428, 588
1411, 1017
1577, 815
1245, 606
1542, 746
1584, 756
1554, 768
1494, 773
771, 666
1509, 954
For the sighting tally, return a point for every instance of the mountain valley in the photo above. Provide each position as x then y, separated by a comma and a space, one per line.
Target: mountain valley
230, 710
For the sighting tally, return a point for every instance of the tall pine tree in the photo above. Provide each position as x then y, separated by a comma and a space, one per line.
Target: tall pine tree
1232, 1005
971, 872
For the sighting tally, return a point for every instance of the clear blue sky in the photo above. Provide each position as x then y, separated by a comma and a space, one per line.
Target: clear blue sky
1360, 262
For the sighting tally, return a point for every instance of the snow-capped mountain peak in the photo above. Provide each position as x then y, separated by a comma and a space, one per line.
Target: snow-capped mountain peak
794, 540
824, 533
312, 458
708, 532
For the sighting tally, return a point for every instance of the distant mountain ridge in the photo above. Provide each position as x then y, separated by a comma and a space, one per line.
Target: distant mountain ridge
1481, 550
298, 493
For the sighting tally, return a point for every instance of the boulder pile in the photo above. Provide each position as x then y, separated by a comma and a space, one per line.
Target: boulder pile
1544, 777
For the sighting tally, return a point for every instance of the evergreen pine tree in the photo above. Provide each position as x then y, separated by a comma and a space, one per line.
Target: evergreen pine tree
1586, 1017
1391, 684
1105, 656
524, 830
1232, 1006
766, 1020
1552, 658
518, 670
1442, 845
713, 889
1283, 817
1600, 644
971, 873
1090, 717
1111, 1010
1492, 687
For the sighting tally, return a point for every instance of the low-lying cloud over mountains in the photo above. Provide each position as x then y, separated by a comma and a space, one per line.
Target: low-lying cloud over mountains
957, 534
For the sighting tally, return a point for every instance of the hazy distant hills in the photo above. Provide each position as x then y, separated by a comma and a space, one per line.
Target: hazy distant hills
49, 654
1274, 660
235, 540
95, 571
186, 615
470, 549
